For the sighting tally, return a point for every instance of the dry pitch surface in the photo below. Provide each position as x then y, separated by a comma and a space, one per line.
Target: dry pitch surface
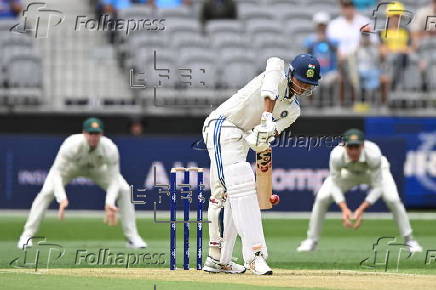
323, 279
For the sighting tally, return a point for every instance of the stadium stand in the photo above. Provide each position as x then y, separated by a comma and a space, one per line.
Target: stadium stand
220, 58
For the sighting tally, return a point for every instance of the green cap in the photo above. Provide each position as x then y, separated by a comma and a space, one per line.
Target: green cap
93, 125
353, 137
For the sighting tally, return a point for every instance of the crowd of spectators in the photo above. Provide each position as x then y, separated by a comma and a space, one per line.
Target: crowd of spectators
358, 60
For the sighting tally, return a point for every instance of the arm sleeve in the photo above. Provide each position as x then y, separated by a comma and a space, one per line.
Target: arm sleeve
376, 182
273, 74
62, 161
335, 175
284, 123
113, 167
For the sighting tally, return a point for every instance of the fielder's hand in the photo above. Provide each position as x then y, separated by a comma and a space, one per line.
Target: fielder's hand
346, 218
111, 215
62, 205
357, 217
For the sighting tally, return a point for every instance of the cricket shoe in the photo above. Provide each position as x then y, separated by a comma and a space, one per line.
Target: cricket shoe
24, 242
136, 243
214, 266
259, 266
414, 246
308, 245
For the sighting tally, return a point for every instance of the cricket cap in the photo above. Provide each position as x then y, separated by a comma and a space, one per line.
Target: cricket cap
93, 125
354, 137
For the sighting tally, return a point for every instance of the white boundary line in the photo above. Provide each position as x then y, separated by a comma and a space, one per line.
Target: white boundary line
165, 214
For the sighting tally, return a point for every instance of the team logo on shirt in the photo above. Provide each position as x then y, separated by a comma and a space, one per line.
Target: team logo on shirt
94, 125
311, 71
284, 114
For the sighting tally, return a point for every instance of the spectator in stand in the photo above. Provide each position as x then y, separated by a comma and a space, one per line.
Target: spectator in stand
422, 30
10, 8
325, 50
136, 127
346, 31
364, 4
395, 47
169, 4
368, 63
218, 9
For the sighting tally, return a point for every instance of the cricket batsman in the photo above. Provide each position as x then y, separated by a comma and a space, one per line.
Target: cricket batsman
93, 156
356, 162
251, 118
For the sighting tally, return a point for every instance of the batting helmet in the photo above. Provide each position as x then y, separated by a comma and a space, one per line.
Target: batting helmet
305, 68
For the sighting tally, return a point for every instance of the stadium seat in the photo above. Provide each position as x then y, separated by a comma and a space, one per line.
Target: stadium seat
180, 41
203, 68
226, 46
165, 73
297, 32
412, 79
280, 3
256, 12
252, 2
179, 13
136, 11
264, 54
187, 26
296, 15
24, 71
141, 40
231, 41
14, 38
427, 49
263, 27
237, 70
9, 50
261, 42
224, 26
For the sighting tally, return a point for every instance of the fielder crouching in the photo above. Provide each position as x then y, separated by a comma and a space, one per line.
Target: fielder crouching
251, 118
93, 156
358, 161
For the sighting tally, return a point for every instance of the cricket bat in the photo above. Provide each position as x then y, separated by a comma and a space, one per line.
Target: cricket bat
264, 178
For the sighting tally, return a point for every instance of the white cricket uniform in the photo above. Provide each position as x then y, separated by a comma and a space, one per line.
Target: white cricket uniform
371, 169
223, 133
101, 165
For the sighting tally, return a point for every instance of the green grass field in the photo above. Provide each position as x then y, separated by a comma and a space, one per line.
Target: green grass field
82, 238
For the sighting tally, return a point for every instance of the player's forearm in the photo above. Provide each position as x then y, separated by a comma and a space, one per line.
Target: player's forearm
268, 105
59, 189
113, 189
112, 194
364, 205
343, 205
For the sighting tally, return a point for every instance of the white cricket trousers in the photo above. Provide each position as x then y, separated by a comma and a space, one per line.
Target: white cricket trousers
228, 149
389, 194
46, 196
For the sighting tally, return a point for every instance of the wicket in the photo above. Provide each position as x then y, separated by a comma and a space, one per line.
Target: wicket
187, 199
